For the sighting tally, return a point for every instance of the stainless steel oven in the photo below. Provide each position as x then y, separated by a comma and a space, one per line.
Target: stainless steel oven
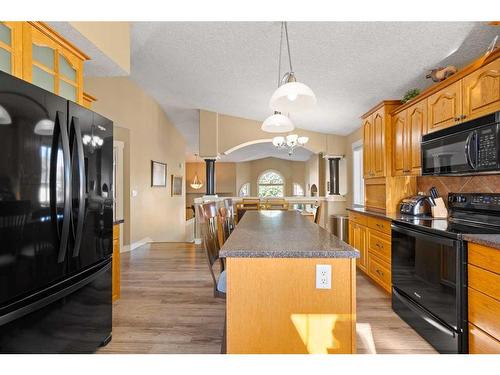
469, 148
429, 285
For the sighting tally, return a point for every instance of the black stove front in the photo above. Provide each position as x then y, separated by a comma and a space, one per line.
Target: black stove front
429, 268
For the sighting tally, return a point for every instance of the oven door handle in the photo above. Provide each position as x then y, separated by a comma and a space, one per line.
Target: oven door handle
422, 235
422, 315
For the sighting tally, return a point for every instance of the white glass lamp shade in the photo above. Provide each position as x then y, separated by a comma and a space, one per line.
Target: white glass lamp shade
44, 127
292, 97
4, 117
277, 123
291, 140
278, 141
303, 140
196, 184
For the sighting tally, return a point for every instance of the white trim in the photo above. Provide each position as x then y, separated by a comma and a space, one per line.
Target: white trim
357, 144
137, 244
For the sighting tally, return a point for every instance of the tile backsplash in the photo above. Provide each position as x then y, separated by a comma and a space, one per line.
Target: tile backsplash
462, 184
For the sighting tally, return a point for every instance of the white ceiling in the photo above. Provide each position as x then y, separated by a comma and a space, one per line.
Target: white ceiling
231, 67
265, 150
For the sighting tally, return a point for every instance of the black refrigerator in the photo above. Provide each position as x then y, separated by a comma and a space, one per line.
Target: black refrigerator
56, 213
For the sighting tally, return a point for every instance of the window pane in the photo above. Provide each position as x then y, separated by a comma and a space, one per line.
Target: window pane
66, 69
358, 184
67, 91
44, 55
43, 79
271, 178
270, 190
5, 61
245, 190
5, 34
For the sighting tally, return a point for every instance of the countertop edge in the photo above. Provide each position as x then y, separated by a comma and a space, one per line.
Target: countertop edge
489, 240
241, 253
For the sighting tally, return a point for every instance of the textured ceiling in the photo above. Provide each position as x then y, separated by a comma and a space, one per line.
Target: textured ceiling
231, 67
265, 150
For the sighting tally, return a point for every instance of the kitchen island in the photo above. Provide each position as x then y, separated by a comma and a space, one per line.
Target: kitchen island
273, 303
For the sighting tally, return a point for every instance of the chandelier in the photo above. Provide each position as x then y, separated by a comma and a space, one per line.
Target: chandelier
196, 184
290, 142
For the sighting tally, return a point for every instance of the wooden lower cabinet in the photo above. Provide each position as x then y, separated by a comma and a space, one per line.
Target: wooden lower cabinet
371, 236
116, 263
484, 299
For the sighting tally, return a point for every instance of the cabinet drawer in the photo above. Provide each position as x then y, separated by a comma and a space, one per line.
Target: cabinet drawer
379, 271
381, 225
482, 343
484, 281
357, 217
484, 257
380, 245
484, 312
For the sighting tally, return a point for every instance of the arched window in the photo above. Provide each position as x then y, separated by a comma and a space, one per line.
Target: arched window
298, 191
271, 184
245, 190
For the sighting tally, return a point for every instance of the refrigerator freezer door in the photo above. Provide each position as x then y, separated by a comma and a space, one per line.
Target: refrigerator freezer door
91, 143
74, 317
34, 183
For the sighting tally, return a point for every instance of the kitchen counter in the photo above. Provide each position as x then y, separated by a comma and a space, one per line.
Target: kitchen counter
276, 303
382, 215
283, 234
120, 221
491, 240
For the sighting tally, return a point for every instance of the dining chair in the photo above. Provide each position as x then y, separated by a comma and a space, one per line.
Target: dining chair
317, 215
208, 218
276, 204
224, 226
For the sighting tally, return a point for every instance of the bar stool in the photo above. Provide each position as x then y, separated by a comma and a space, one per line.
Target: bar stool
317, 215
209, 224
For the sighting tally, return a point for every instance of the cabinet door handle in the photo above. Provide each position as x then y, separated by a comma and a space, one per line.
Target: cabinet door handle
463, 117
457, 119
380, 272
379, 225
378, 245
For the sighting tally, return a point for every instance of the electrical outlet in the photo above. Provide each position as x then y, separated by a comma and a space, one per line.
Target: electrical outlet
323, 276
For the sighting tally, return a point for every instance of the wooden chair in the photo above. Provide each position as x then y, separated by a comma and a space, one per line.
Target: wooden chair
317, 215
228, 205
276, 204
209, 225
224, 225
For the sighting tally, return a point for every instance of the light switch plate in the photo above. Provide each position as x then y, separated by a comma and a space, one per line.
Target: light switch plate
323, 276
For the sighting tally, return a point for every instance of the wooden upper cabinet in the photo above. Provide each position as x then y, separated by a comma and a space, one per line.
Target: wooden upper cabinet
51, 62
416, 123
367, 148
11, 60
378, 146
444, 108
399, 139
481, 91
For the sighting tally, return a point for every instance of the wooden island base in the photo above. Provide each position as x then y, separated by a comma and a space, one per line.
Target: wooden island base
273, 306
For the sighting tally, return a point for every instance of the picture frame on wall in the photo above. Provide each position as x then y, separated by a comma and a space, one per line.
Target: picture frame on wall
158, 174
176, 186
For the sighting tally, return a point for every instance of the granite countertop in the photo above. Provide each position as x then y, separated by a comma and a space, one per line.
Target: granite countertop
491, 240
120, 221
382, 215
283, 234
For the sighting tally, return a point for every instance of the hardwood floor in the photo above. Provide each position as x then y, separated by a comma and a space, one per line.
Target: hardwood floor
167, 306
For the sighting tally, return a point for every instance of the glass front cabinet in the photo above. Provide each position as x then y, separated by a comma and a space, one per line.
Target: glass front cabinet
36, 53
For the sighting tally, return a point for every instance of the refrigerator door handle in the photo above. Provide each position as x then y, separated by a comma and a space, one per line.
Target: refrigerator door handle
64, 233
77, 133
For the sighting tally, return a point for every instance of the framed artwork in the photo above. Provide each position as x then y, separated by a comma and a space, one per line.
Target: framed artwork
158, 174
176, 185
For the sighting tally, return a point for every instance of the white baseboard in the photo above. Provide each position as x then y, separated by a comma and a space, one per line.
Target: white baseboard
136, 244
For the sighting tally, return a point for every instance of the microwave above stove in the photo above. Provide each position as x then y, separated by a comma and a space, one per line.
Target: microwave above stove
472, 147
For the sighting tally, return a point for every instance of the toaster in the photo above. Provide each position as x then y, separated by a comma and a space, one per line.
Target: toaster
417, 205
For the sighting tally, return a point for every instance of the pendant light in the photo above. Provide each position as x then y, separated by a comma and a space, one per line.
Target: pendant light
292, 96
278, 123
196, 184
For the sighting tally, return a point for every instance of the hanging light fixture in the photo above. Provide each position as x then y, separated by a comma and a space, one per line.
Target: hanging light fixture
278, 123
290, 142
196, 184
291, 96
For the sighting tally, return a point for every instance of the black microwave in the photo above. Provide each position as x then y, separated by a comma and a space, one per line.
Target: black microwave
472, 147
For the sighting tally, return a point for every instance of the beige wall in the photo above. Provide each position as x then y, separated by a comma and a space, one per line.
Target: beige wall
350, 139
123, 135
234, 131
112, 38
311, 173
154, 213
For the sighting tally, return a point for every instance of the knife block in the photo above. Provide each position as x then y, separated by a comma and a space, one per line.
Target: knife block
439, 210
